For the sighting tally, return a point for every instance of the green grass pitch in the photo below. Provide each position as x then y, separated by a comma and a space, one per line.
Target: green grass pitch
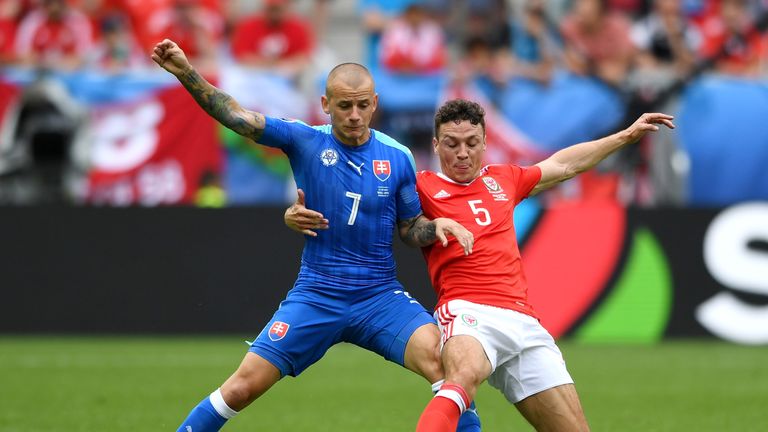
149, 384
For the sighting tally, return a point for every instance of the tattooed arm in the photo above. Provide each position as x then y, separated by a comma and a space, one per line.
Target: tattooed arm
215, 102
420, 231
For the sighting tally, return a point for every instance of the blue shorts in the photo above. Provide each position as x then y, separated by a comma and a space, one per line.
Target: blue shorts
309, 321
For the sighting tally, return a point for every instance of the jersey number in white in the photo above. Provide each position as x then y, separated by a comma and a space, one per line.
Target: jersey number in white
355, 205
486, 215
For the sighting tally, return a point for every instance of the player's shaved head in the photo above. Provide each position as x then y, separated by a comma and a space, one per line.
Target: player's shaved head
353, 75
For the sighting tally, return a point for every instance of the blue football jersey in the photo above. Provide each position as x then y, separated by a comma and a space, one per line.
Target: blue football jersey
363, 191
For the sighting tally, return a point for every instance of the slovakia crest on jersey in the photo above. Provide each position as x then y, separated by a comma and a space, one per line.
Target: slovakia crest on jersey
329, 157
278, 330
491, 184
382, 169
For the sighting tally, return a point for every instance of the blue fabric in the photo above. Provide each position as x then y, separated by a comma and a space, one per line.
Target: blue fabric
93, 88
722, 126
318, 313
469, 420
408, 92
363, 191
571, 109
203, 418
528, 47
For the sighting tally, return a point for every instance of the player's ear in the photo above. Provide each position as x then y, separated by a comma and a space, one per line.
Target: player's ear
326, 104
375, 101
434, 144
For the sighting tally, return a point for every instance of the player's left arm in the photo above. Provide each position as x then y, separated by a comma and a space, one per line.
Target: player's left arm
420, 232
574, 160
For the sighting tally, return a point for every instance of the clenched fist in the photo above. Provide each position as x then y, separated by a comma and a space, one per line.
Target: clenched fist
171, 58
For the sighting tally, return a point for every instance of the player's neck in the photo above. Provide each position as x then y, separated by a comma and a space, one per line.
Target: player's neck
351, 141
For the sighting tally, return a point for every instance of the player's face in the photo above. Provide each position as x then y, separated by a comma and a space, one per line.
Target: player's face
460, 147
351, 109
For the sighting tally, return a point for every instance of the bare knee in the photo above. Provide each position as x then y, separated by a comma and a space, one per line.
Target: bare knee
252, 379
422, 353
238, 392
465, 363
556, 409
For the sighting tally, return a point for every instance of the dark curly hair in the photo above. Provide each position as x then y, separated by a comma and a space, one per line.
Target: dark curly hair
458, 110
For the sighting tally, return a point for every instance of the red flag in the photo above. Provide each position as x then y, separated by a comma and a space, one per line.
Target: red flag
155, 151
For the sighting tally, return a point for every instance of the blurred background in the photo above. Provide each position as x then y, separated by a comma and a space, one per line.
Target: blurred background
87, 118
125, 209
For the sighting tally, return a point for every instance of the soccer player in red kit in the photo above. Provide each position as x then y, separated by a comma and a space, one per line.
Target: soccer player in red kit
489, 330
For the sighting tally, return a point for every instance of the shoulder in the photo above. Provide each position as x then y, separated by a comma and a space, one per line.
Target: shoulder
323, 129
498, 169
398, 148
511, 171
297, 124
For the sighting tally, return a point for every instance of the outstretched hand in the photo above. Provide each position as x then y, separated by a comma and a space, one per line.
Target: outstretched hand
170, 57
301, 219
445, 227
648, 122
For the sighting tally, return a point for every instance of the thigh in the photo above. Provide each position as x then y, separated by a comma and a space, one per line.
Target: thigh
538, 365
299, 333
465, 362
385, 322
462, 318
554, 409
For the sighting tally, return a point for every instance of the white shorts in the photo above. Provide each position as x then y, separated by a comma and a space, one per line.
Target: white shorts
524, 358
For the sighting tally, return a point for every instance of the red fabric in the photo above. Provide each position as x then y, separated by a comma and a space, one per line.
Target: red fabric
440, 415
53, 39
152, 152
188, 29
742, 57
485, 208
413, 50
610, 42
255, 36
7, 38
458, 389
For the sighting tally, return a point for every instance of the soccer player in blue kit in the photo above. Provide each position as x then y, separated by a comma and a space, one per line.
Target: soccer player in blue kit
346, 291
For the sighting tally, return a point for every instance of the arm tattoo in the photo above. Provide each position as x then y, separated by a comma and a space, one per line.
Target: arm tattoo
420, 231
222, 106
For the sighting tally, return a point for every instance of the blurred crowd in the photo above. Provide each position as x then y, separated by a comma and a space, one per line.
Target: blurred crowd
644, 50
610, 39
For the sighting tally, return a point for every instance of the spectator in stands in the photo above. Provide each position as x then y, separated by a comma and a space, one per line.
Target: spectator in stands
665, 40
9, 13
321, 12
376, 15
597, 41
736, 46
54, 36
536, 42
195, 28
630, 8
487, 19
116, 48
483, 67
276, 39
413, 43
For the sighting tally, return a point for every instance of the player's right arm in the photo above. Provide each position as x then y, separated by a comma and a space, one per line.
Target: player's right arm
215, 102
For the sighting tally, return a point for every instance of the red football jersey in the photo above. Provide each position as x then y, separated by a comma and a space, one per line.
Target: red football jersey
493, 274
